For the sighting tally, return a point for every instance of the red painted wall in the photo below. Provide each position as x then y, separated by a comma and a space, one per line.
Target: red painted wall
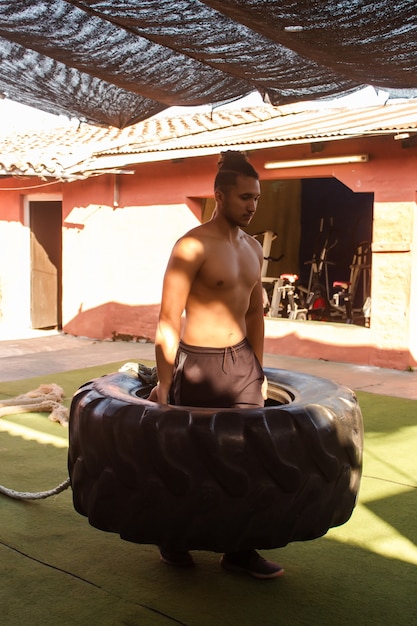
118, 233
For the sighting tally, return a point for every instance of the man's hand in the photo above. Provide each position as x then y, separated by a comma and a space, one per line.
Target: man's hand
157, 395
153, 396
265, 388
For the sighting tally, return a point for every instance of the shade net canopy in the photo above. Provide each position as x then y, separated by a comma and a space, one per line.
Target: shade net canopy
118, 62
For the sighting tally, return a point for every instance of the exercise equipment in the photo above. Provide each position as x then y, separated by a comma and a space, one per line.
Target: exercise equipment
281, 296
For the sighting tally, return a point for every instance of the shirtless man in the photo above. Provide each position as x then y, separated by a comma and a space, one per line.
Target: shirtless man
214, 275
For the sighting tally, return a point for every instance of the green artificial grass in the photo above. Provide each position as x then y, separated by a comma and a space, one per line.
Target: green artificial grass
56, 569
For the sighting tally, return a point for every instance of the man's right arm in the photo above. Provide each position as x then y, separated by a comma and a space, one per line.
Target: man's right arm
184, 263
166, 344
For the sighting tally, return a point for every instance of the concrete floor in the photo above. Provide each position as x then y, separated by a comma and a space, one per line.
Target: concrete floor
45, 352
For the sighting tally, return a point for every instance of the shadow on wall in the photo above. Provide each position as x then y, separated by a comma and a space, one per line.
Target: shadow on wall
341, 343
359, 350
113, 320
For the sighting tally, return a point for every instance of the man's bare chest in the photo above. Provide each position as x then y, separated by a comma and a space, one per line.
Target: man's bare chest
227, 268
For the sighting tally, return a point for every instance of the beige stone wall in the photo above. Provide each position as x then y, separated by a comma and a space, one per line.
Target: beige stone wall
393, 288
413, 292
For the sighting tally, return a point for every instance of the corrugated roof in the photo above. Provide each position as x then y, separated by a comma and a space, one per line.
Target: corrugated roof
84, 150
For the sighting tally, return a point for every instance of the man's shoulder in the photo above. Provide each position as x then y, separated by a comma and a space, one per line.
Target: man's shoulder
193, 244
200, 232
252, 241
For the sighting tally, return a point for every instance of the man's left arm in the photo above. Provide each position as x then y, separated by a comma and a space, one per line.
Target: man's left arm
255, 329
255, 322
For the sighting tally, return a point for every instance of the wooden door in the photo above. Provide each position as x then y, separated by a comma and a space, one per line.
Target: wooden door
46, 263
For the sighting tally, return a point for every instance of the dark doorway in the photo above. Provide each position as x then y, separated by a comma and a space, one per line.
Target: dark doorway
46, 264
336, 225
345, 216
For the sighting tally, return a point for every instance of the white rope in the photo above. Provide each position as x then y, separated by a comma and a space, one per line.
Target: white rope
49, 398
27, 495
46, 398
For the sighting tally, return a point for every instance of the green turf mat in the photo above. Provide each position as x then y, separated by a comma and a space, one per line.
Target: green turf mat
69, 381
56, 569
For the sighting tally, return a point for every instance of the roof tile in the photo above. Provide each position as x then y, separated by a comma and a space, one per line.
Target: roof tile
81, 150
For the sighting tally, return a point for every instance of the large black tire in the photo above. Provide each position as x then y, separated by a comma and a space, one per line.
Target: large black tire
216, 479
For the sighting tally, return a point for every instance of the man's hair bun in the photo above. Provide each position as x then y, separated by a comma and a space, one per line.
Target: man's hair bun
236, 162
232, 160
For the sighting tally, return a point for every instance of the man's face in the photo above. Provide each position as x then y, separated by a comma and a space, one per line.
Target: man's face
238, 204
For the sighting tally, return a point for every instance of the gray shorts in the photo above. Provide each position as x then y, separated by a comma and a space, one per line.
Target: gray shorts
229, 377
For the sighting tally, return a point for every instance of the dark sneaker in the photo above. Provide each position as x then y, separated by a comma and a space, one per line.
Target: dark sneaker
176, 557
250, 562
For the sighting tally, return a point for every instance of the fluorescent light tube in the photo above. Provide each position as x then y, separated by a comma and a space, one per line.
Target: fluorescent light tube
354, 158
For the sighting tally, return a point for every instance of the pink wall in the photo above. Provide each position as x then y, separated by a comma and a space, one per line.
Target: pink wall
114, 254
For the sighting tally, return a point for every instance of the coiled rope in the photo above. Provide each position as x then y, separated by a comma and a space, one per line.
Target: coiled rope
46, 398
49, 398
